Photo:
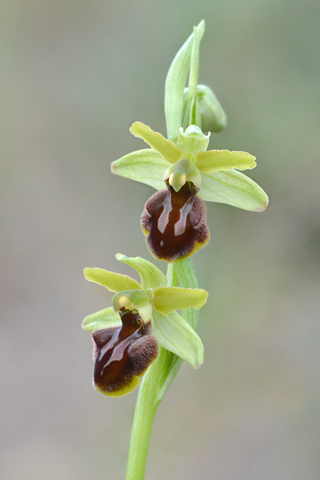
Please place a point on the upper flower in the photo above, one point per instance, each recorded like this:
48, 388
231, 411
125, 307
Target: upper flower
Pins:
214, 172
126, 336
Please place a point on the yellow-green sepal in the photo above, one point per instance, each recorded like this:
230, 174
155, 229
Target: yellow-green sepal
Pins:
216, 160
233, 188
105, 318
173, 333
166, 300
167, 149
145, 166
114, 282
150, 275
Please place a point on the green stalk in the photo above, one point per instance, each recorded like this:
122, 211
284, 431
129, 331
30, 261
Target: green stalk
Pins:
194, 114
194, 64
146, 408
157, 380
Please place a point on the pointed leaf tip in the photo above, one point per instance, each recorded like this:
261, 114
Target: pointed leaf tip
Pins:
175, 83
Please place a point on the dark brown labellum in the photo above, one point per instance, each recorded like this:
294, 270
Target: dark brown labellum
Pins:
175, 223
122, 354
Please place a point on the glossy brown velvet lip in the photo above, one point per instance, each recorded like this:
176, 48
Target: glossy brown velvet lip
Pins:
175, 223
122, 354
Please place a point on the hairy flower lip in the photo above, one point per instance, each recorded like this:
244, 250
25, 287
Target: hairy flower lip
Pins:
122, 354
175, 223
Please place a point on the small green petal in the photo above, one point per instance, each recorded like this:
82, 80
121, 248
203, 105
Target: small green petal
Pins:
114, 282
167, 149
103, 319
175, 83
145, 166
174, 334
151, 277
233, 188
217, 160
166, 300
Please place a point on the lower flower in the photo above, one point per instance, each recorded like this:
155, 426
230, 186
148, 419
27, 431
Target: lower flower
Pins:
175, 223
123, 354
143, 318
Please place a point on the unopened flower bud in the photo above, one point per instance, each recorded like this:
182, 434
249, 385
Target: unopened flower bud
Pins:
213, 117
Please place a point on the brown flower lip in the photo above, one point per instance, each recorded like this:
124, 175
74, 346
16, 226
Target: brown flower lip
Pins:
175, 223
122, 354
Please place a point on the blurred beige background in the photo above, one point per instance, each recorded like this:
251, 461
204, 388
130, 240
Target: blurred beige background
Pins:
74, 76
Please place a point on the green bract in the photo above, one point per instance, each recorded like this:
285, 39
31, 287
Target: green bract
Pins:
215, 172
187, 59
154, 301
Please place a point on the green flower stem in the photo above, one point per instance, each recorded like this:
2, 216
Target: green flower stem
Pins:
194, 64
146, 408
194, 113
158, 379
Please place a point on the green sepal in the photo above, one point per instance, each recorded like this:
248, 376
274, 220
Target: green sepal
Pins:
166, 300
103, 319
114, 282
145, 166
217, 160
175, 83
174, 334
150, 275
233, 188
167, 149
